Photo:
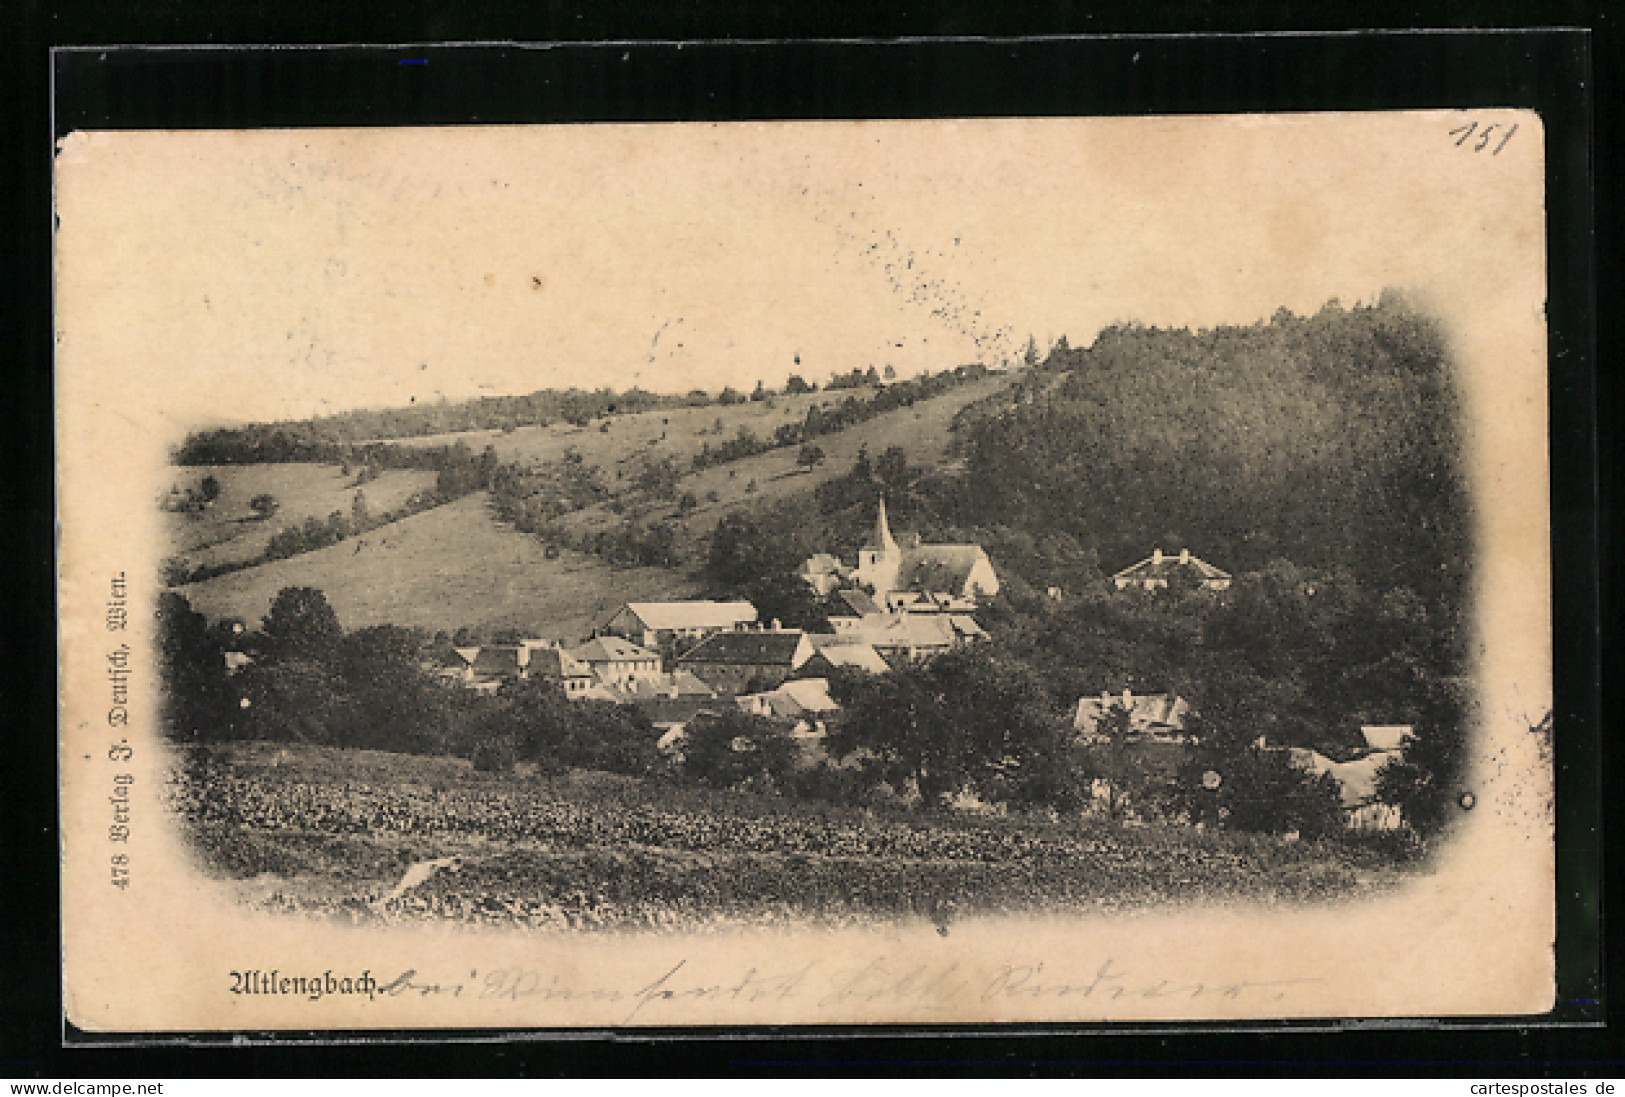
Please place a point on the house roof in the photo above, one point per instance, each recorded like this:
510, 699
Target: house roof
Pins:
612, 649
938, 567
859, 602
822, 563
838, 651
906, 630
1160, 565
1145, 710
683, 682
1385, 736
966, 626
1356, 780
498, 661
756, 647
809, 694
695, 614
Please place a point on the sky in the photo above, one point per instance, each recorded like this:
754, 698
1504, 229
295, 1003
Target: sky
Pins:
284, 273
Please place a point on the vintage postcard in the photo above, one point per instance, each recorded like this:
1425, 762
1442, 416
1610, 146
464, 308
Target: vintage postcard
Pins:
1012, 570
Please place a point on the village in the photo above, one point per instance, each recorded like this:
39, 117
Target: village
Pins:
675, 661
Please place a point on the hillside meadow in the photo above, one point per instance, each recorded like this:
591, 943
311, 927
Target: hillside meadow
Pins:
448, 567
230, 531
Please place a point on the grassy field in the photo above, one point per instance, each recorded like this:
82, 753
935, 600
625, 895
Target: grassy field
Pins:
450, 566
336, 834
230, 531
922, 431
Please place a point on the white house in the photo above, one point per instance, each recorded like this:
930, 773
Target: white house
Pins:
1154, 572
617, 662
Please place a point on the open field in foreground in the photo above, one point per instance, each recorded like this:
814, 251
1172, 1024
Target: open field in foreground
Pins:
350, 835
451, 566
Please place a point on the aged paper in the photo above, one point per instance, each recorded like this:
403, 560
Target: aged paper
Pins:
215, 279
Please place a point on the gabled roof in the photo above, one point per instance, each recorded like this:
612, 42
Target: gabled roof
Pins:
838, 651
1160, 565
938, 567
1385, 737
859, 602
695, 614
756, 647
966, 626
612, 649
498, 661
810, 694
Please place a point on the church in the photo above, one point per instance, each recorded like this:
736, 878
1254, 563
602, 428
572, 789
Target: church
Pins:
921, 577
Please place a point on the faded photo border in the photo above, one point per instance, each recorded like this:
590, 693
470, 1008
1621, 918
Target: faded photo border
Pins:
250, 89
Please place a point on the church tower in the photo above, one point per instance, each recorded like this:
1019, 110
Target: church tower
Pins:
880, 559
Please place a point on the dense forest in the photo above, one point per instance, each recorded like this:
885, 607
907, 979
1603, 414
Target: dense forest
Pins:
1331, 441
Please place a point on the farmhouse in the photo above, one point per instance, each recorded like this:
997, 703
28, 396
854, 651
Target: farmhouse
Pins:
930, 576
615, 662
1155, 571
659, 625
732, 662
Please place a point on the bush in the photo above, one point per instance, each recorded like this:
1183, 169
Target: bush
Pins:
494, 756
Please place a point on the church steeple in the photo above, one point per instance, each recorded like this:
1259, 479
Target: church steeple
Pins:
880, 560
882, 539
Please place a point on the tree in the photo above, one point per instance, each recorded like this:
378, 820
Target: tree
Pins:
734, 748
197, 699
209, 489
796, 385
892, 467
759, 393
264, 505
810, 456
301, 623
360, 515
1424, 782
963, 720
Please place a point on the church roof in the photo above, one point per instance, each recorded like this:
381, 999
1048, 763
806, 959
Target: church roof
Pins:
938, 567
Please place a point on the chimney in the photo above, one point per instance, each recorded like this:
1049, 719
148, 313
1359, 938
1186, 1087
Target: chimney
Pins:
776, 626
1128, 697
1156, 556
1184, 556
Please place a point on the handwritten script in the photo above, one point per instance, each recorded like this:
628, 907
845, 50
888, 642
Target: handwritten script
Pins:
954, 986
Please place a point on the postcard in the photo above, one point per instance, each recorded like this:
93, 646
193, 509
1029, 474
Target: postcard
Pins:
805, 573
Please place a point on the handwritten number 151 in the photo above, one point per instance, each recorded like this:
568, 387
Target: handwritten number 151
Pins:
1484, 136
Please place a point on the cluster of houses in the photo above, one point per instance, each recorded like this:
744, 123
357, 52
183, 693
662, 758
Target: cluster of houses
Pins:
674, 660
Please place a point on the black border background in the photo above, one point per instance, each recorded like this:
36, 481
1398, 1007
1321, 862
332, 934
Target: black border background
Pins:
1549, 71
